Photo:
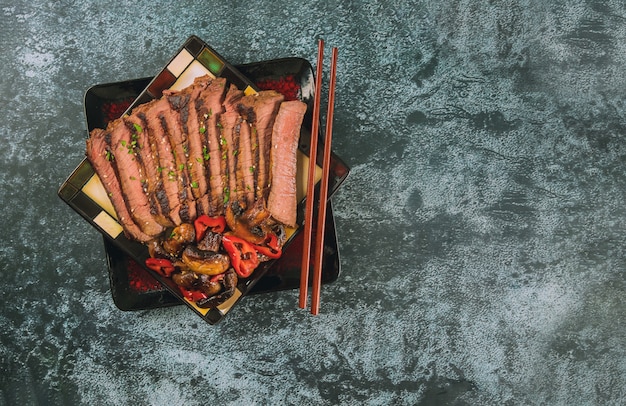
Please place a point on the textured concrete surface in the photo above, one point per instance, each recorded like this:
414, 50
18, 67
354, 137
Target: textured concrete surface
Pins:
482, 229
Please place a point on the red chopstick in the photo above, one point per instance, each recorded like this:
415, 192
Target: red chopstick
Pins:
321, 215
310, 193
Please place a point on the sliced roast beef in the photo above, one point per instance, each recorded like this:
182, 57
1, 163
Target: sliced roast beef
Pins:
192, 151
245, 171
221, 161
232, 99
209, 107
172, 124
159, 135
100, 156
260, 111
229, 144
122, 143
146, 155
184, 103
282, 200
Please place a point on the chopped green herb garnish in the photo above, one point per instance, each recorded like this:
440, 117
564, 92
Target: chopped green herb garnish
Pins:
129, 145
137, 127
194, 184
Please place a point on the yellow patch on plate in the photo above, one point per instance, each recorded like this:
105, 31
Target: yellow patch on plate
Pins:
108, 224
193, 71
96, 192
302, 175
180, 62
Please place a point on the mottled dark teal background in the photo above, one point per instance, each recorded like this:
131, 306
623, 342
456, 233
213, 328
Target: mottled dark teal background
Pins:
482, 229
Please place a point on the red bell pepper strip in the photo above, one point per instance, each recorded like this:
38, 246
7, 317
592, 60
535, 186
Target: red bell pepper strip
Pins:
243, 256
217, 224
161, 265
217, 278
192, 295
270, 247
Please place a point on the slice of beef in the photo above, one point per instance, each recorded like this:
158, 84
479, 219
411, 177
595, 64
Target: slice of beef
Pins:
220, 160
245, 171
184, 103
100, 156
159, 131
260, 111
172, 123
232, 98
235, 152
229, 144
147, 157
209, 106
122, 143
282, 201
213, 162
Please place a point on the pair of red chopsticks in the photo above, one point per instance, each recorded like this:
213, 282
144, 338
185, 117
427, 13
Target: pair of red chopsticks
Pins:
318, 249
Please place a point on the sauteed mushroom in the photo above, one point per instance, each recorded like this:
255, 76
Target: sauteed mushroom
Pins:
179, 238
205, 262
249, 224
229, 281
201, 282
